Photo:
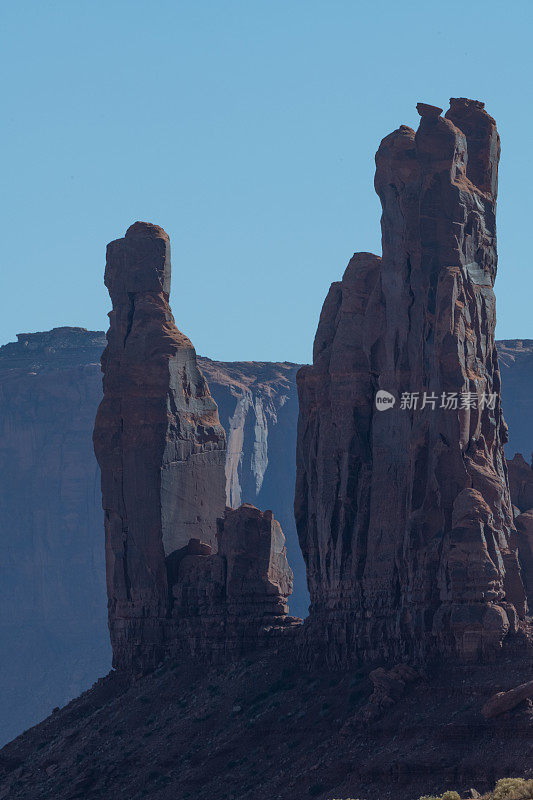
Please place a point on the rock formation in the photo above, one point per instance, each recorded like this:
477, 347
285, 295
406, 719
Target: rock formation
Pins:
50, 389
521, 486
52, 580
51, 386
524, 539
516, 365
502, 702
158, 442
258, 407
403, 514
229, 602
520, 482
161, 450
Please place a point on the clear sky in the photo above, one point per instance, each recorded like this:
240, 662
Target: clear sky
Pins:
247, 129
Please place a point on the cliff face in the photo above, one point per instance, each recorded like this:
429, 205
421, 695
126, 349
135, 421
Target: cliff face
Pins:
521, 486
258, 407
52, 586
520, 482
516, 365
403, 514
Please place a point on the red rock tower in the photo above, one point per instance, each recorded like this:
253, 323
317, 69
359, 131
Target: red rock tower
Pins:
403, 512
186, 577
158, 441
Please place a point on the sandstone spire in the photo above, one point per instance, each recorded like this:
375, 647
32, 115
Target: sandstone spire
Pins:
185, 576
404, 515
157, 439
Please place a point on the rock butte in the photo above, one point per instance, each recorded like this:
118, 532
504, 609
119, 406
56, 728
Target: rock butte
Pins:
404, 516
161, 450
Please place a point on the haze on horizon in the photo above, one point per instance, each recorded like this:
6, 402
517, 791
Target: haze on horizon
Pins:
248, 131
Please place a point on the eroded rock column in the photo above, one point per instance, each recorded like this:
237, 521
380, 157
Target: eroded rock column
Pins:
186, 577
158, 441
404, 515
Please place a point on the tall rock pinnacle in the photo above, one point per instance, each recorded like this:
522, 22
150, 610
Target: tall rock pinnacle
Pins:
403, 514
186, 577
157, 439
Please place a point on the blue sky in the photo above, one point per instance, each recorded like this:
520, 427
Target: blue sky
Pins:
247, 129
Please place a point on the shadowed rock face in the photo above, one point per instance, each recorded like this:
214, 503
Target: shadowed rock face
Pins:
516, 365
521, 486
524, 528
53, 634
158, 441
229, 602
520, 482
404, 515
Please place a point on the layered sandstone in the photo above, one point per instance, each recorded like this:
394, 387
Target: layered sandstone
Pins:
50, 389
520, 482
404, 515
521, 486
158, 442
161, 450
516, 364
258, 407
230, 602
52, 579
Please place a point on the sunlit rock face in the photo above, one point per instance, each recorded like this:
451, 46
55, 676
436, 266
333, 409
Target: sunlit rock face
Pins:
158, 441
162, 454
403, 513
